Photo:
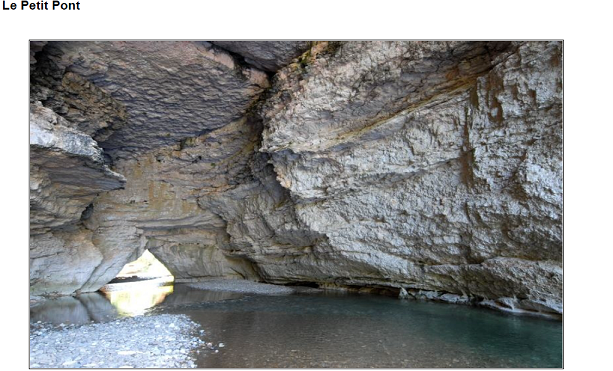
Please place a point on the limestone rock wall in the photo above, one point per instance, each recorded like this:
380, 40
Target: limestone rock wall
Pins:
266, 55
435, 167
167, 91
67, 172
135, 103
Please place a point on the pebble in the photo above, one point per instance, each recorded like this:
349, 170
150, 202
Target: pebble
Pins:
126, 352
158, 341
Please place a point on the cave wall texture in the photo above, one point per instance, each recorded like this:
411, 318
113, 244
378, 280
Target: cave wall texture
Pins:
430, 166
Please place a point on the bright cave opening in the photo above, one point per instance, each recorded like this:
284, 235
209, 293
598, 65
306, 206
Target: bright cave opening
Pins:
145, 267
140, 285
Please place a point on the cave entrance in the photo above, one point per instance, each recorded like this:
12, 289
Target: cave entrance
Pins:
144, 268
139, 286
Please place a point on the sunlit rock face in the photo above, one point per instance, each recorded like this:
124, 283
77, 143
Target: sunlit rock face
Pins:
67, 172
433, 166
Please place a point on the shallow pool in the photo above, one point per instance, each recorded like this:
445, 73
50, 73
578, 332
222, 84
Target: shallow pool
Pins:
339, 330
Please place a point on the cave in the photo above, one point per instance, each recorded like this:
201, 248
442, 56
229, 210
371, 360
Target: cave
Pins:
157, 285
147, 266
441, 172
421, 170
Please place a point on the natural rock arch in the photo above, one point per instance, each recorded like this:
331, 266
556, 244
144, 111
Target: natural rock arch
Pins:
433, 166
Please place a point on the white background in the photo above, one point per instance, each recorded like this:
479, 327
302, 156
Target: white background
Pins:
587, 135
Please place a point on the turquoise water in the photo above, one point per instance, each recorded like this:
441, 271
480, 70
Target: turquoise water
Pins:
342, 330
370, 331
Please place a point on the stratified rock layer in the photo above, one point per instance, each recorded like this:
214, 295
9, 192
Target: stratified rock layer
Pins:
435, 167
67, 172
169, 90
134, 98
266, 55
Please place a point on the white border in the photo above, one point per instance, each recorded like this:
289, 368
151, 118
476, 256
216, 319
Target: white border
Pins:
588, 127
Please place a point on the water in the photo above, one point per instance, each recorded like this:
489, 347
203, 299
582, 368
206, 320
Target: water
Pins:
338, 330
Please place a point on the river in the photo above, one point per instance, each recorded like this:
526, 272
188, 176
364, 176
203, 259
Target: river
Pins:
327, 329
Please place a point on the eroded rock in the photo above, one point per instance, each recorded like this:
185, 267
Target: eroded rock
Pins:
432, 166
114, 92
266, 55
170, 90
67, 172
427, 165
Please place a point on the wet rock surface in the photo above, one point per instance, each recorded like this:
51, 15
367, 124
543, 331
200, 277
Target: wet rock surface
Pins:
160, 341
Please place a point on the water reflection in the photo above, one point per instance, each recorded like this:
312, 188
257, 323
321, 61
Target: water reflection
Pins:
135, 298
121, 300
185, 295
78, 310
365, 331
327, 330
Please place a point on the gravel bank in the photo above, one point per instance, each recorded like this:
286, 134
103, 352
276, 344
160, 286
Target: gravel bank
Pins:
161, 341
243, 286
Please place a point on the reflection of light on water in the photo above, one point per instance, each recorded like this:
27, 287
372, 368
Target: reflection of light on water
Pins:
135, 298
